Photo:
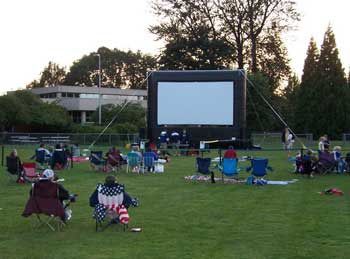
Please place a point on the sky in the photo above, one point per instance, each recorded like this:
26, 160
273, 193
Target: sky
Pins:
38, 31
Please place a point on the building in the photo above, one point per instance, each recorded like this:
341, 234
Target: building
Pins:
81, 102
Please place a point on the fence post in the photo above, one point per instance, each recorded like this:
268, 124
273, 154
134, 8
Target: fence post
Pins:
71, 157
2, 155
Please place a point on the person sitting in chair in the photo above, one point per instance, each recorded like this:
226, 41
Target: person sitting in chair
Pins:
114, 159
14, 165
47, 196
59, 158
42, 155
109, 199
230, 153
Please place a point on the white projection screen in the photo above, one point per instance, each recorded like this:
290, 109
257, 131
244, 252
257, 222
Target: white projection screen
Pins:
195, 103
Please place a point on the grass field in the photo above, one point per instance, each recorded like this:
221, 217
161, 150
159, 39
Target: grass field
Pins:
181, 219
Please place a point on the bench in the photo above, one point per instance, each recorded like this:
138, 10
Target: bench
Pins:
55, 140
24, 140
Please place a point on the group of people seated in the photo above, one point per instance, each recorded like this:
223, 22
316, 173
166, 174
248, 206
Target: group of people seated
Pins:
57, 158
325, 161
113, 160
47, 196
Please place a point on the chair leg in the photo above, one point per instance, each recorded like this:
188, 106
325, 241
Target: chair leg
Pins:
126, 226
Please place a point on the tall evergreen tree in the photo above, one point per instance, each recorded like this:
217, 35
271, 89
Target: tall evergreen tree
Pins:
332, 90
288, 100
306, 104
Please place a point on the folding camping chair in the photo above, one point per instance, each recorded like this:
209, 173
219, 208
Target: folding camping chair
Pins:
148, 162
40, 157
113, 162
29, 172
133, 162
110, 205
326, 163
59, 159
203, 167
96, 160
259, 167
229, 167
45, 203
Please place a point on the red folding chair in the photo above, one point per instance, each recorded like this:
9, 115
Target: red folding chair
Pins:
29, 172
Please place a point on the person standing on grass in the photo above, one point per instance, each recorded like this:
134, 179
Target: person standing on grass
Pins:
287, 137
175, 141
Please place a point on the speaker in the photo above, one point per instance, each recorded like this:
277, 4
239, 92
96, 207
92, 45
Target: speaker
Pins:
142, 133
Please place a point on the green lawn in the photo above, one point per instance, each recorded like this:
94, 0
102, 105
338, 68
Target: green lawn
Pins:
181, 219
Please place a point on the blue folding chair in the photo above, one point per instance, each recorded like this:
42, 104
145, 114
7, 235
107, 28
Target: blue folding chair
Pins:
148, 162
203, 167
40, 156
134, 162
259, 167
229, 167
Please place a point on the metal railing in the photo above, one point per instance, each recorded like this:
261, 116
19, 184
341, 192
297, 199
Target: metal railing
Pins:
65, 138
272, 140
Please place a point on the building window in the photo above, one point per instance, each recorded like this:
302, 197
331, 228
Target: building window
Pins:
89, 116
89, 96
48, 96
76, 116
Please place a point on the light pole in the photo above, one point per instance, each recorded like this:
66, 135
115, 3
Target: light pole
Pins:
99, 88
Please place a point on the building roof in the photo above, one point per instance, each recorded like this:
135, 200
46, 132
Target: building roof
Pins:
88, 90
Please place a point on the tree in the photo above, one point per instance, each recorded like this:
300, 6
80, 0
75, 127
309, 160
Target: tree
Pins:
306, 105
250, 29
266, 14
272, 59
119, 69
52, 75
289, 99
14, 112
128, 119
22, 109
191, 42
332, 91
260, 117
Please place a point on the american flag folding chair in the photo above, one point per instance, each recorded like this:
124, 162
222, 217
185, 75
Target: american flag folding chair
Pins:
110, 205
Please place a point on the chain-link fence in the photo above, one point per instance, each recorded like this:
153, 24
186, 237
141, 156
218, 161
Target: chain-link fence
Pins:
272, 140
67, 138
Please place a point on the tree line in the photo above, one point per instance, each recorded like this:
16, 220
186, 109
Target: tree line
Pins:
227, 34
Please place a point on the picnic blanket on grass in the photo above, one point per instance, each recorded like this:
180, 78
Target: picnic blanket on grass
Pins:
206, 178
79, 159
